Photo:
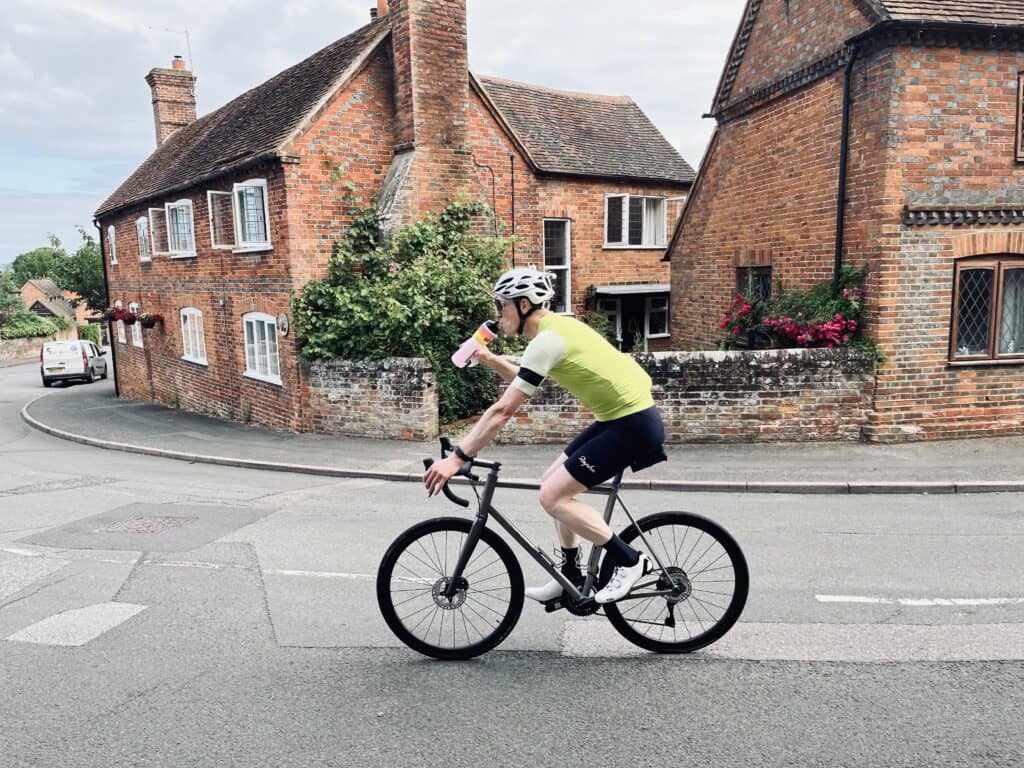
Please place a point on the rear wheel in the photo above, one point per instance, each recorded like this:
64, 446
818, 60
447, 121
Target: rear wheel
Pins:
91, 377
416, 572
699, 595
47, 382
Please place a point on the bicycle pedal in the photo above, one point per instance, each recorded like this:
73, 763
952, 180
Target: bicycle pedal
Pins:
553, 605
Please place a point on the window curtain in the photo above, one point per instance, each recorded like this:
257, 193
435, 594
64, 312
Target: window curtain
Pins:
1011, 335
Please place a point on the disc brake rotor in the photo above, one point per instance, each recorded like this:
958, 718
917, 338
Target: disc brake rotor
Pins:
461, 587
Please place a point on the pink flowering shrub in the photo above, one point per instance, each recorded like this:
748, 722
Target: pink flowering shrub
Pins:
810, 318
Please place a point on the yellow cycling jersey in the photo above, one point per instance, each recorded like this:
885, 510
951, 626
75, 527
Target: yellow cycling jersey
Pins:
608, 382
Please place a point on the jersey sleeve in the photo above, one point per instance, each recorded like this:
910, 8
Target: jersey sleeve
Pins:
542, 354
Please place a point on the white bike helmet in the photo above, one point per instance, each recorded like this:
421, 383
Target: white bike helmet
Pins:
525, 282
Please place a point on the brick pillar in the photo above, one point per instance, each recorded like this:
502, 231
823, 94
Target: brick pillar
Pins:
433, 165
174, 98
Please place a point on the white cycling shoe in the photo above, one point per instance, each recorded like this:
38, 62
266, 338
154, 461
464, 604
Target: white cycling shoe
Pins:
546, 593
623, 579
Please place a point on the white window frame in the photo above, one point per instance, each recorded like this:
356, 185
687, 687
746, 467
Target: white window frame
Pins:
142, 233
567, 267
193, 336
213, 230
241, 245
648, 310
252, 350
661, 237
112, 243
136, 326
120, 332
180, 253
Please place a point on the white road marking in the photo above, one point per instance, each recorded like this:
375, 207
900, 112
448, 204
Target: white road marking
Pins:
77, 626
921, 602
266, 571
319, 574
866, 643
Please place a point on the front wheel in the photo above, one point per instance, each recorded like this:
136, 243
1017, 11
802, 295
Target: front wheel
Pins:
699, 595
415, 574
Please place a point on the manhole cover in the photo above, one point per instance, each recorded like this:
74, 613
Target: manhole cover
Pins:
146, 525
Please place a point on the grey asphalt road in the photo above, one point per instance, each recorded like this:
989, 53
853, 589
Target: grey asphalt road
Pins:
159, 613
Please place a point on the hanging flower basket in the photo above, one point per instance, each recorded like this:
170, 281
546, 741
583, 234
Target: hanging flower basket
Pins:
110, 314
150, 319
129, 318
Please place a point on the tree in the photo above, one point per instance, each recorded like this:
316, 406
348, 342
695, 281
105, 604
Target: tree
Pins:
40, 262
10, 300
82, 272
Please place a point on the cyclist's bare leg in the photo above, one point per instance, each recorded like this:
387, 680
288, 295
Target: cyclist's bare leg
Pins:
558, 493
566, 537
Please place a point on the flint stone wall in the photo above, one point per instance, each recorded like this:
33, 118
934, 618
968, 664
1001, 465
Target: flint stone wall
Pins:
393, 399
786, 395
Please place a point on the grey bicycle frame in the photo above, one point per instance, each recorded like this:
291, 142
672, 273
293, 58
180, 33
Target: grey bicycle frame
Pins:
486, 509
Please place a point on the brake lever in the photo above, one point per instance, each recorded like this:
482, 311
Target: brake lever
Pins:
445, 489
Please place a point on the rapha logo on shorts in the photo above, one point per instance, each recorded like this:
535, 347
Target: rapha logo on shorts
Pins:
588, 465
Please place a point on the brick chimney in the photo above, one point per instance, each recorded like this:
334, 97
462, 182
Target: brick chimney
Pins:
430, 60
174, 98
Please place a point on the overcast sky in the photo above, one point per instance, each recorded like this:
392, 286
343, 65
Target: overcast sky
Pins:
76, 117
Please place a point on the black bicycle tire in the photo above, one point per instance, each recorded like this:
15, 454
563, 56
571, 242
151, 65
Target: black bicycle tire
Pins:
461, 525
736, 604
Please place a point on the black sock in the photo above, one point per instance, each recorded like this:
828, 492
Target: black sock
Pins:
619, 552
571, 566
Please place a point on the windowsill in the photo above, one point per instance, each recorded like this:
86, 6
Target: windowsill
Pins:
267, 379
968, 363
223, 247
196, 361
613, 247
659, 336
183, 255
145, 261
253, 249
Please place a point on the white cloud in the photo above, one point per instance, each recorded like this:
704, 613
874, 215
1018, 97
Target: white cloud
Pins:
82, 95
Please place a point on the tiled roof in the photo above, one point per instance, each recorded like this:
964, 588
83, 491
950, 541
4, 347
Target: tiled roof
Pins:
584, 134
251, 126
999, 12
47, 286
53, 307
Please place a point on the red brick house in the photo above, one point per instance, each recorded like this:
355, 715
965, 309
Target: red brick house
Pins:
237, 210
909, 111
45, 299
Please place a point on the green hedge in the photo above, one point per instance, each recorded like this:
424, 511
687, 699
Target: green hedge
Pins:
421, 293
90, 333
26, 325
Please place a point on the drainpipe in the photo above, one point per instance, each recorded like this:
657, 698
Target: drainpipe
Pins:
106, 287
844, 153
512, 161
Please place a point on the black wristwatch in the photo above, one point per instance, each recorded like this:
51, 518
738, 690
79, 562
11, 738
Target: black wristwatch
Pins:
462, 454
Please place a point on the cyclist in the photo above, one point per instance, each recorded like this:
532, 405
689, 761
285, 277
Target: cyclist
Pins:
628, 430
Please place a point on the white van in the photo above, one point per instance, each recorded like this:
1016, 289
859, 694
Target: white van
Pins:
66, 360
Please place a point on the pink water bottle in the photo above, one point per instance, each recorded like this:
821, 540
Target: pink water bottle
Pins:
483, 336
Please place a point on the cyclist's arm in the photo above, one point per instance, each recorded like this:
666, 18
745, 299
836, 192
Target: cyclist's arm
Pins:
492, 421
500, 365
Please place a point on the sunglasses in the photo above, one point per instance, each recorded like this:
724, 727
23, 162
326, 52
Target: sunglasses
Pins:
500, 305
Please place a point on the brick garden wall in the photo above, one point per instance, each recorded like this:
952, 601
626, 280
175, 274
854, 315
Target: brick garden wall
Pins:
393, 399
772, 395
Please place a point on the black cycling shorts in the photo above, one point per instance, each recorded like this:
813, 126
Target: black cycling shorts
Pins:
605, 448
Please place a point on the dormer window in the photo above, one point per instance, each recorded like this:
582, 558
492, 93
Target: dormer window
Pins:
181, 239
142, 233
112, 243
240, 219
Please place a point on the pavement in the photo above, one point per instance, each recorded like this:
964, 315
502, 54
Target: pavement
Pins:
92, 415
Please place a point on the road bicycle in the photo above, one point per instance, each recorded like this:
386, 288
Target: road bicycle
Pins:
452, 588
